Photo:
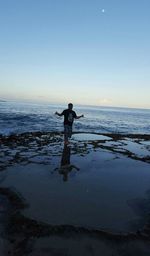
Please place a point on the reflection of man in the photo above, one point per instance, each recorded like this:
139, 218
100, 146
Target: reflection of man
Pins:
66, 167
65, 160
69, 116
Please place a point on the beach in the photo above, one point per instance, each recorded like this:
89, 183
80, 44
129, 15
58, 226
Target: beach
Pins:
91, 197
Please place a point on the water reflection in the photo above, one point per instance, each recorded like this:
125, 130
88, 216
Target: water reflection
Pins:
66, 167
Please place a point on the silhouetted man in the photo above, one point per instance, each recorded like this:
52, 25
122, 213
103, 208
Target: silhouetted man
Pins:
69, 116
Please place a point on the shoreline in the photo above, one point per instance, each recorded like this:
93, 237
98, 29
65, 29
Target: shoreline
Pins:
106, 141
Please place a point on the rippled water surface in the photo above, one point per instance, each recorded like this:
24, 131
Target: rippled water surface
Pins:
23, 117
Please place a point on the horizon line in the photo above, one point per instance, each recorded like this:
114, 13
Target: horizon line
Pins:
77, 104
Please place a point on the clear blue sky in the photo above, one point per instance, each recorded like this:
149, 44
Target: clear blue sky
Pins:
86, 51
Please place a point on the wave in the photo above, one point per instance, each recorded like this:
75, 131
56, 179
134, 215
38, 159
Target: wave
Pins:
24, 119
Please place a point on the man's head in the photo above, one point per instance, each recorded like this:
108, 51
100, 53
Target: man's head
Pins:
70, 106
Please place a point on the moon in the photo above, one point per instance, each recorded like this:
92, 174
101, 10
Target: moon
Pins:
103, 10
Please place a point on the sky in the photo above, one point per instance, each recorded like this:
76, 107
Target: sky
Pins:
92, 52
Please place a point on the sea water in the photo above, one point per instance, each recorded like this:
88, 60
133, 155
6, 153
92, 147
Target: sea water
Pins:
19, 117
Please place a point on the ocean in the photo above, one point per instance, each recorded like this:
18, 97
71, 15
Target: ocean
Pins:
16, 118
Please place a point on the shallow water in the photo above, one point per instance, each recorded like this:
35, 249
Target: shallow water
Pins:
89, 136
94, 191
136, 148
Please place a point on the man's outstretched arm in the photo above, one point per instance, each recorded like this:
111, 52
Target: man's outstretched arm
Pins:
77, 117
58, 114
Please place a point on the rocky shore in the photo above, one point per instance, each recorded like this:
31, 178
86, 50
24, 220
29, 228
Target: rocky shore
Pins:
26, 158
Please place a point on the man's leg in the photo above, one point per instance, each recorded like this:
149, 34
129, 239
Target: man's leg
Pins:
66, 134
69, 131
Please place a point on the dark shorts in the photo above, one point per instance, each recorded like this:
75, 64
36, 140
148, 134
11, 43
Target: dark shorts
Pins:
67, 131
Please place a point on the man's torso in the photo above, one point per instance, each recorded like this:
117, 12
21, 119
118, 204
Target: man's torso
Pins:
69, 116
